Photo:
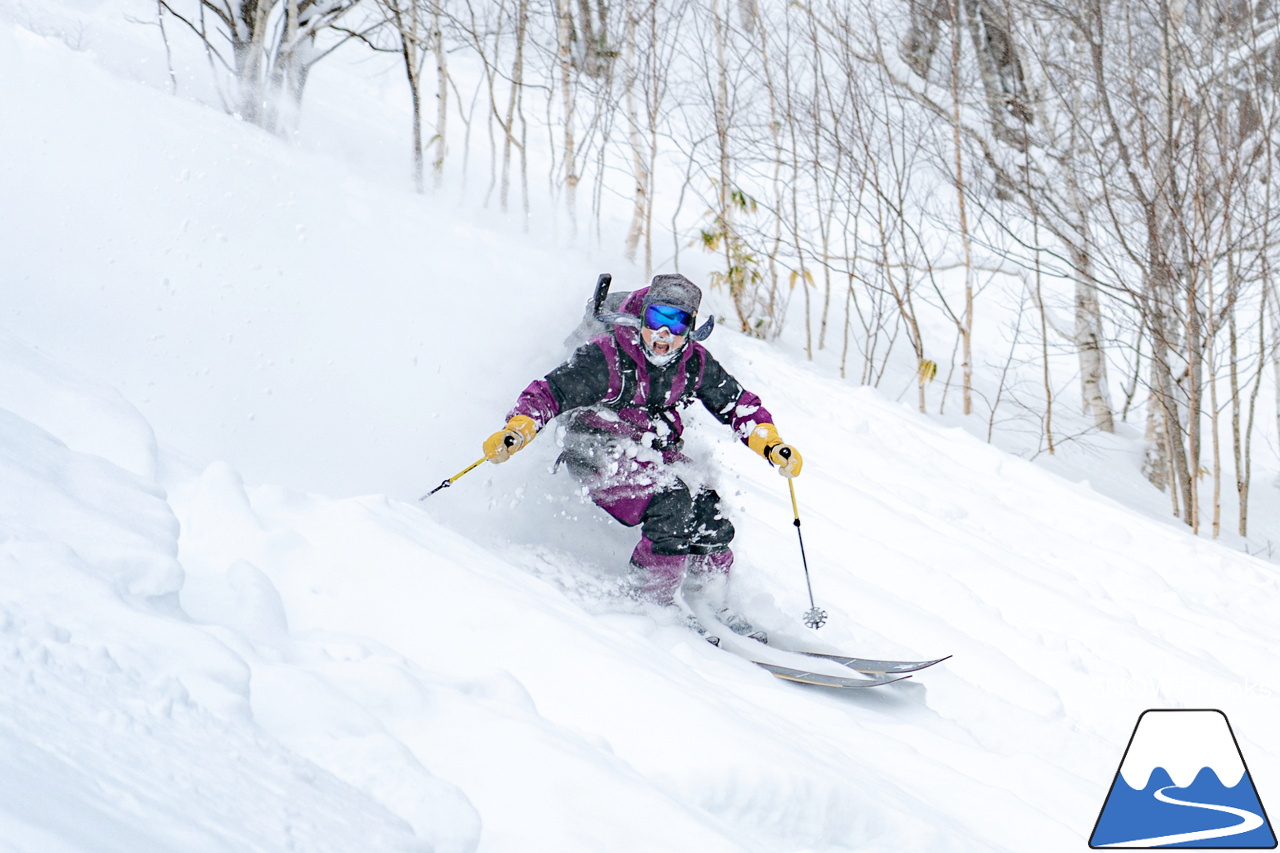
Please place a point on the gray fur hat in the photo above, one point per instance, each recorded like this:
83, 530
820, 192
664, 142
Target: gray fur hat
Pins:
674, 290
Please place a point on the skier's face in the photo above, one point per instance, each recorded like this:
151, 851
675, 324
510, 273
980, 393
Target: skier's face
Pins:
661, 341
664, 328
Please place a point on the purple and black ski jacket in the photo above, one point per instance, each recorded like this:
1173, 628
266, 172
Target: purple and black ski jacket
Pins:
625, 395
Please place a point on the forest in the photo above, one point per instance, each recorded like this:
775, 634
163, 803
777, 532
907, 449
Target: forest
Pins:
861, 171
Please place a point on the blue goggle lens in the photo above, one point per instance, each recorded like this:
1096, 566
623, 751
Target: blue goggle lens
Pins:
676, 319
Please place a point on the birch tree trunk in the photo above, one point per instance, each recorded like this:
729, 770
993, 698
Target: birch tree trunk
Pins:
564, 34
966, 327
513, 102
248, 26
639, 160
1088, 342
441, 138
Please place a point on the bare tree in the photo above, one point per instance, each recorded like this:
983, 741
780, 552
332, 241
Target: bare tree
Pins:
273, 44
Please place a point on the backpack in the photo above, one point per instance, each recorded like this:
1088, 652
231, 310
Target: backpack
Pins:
601, 302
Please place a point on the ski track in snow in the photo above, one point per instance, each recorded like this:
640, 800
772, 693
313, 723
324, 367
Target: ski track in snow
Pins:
190, 661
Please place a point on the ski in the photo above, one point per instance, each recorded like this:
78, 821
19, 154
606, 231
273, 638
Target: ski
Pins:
801, 676
877, 667
879, 672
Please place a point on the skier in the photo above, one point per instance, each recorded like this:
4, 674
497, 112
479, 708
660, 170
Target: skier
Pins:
620, 395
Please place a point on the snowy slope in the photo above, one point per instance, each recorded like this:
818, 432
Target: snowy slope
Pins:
207, 643
123, 726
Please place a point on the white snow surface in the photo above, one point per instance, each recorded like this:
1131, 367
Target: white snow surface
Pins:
229, 365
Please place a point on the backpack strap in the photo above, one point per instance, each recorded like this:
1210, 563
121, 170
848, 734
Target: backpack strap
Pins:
624, 384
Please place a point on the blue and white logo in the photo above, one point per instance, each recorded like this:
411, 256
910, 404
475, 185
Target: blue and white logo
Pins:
1183, 783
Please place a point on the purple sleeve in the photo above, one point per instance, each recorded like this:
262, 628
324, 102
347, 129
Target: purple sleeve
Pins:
536, 402
748, 413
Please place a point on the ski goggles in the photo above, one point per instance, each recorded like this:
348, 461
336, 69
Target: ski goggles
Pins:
676, 319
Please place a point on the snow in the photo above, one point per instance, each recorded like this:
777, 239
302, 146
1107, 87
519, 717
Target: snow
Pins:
230, 365
122, 726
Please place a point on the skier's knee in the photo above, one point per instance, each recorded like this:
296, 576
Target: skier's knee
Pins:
713, 563
712, 531
668, 522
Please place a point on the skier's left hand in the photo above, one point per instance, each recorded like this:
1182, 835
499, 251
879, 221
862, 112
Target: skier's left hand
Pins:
764, 440
787, 458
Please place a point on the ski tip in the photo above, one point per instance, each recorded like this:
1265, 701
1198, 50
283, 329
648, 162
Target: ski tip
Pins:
869, 666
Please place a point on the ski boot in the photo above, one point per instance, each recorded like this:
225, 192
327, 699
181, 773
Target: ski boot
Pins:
708, 582
681, 615
738, 624
693, 623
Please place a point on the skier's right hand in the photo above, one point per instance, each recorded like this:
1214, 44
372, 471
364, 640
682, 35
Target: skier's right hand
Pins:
518, 432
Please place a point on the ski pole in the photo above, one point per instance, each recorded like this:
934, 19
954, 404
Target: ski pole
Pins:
814, 617
449, 482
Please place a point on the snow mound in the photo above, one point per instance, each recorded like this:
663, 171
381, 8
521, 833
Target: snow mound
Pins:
124, 724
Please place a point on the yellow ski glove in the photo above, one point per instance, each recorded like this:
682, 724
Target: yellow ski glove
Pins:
518, 432
765, 441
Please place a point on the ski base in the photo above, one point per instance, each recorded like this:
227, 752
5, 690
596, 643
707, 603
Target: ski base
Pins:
800, 676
